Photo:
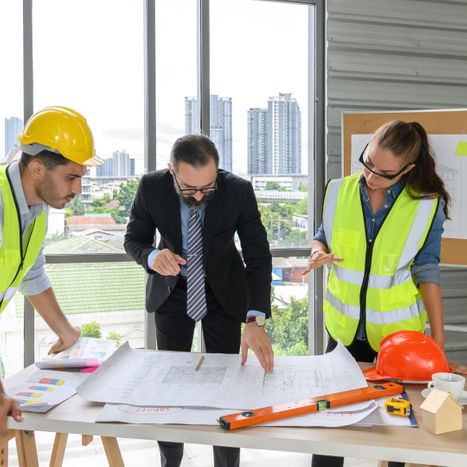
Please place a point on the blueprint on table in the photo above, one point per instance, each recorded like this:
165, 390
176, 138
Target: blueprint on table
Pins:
150, 378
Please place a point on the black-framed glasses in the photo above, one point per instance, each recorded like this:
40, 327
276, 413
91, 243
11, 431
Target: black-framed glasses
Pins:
387, 176
193, 191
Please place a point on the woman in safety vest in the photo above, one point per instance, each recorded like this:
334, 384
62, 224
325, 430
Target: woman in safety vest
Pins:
56, 145
381, 236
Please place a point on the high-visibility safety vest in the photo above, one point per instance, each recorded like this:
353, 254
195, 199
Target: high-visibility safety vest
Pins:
373, 283
15, 258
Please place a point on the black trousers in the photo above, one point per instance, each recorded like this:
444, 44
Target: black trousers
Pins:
362, 352
174, 331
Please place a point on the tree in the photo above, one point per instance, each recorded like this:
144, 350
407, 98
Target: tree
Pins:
277, 219
75, 207
125, 197
288, 328
302, 207
113, 335
91, 329
271, 185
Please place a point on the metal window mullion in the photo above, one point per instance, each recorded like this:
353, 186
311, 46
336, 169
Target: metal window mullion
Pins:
203, 66
150, 163
28, 109
318, 162
28, 89
203, 75
149, 19
28, 333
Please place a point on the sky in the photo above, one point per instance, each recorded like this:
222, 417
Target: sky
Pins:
88, 55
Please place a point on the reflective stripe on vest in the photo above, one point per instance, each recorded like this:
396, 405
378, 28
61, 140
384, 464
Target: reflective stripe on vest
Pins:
374, 316
14, 264
391, 300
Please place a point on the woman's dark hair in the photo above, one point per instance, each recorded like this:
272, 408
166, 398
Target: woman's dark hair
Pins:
196, 150
410, 141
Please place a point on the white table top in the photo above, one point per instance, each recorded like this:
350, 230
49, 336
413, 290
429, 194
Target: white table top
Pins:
401, 444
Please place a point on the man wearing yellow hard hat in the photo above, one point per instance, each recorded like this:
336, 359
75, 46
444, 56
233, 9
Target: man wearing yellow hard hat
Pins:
57, 145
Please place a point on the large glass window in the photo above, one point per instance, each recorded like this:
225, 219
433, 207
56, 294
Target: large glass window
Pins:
259, 59
176, 73
88, 55
11, 119
259, 106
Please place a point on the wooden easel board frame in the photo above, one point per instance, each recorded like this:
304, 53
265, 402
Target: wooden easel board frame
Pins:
453, 250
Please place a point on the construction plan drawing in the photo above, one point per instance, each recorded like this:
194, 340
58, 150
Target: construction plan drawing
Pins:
173, 379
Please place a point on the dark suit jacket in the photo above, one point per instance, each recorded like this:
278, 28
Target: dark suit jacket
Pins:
232, 209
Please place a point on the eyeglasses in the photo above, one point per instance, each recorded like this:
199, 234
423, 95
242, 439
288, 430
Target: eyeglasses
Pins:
193, 191
387, 176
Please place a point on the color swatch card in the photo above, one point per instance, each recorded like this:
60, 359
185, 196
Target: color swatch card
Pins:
44, 390
85, 352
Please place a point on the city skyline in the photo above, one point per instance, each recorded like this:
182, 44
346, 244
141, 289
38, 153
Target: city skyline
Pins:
271, 56
273, 139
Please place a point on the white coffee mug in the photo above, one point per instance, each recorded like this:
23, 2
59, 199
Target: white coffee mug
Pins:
449, 382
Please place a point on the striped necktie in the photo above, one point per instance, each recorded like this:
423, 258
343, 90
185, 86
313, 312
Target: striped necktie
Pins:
196, 294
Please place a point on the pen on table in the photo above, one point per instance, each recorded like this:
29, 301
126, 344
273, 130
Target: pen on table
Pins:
199, 362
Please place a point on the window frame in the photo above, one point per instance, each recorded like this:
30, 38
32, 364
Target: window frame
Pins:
316, 138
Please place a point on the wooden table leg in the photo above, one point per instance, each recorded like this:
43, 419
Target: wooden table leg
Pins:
58, 450
4, 447
86, 439
26, 448
112, 451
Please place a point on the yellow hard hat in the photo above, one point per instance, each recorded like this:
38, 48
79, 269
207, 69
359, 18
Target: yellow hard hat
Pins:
61, 130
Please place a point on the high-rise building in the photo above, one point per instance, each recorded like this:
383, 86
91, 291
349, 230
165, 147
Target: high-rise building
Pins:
106, 169
284, 128
191, 116
119, 165
122, 164
220, 125
13, 126
274, 137
258, 153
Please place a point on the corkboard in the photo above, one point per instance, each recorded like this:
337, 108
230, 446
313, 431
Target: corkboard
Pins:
453, 251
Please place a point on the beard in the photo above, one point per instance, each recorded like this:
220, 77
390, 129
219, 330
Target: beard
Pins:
48, 193
191, 202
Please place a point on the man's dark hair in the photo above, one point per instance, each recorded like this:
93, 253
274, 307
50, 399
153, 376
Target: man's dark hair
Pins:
196, 150
48, 158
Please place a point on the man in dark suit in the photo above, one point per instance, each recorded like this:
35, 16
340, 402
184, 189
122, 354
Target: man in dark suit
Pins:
196, 272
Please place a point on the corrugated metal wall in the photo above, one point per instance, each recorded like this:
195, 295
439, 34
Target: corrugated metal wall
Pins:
399, 55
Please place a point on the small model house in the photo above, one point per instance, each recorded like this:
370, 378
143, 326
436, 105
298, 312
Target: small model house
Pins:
441, 413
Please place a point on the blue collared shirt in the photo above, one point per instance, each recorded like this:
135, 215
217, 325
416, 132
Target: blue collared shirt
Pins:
185, 212
425, 268
36, 279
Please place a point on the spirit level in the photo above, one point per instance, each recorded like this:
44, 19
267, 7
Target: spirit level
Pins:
311, 405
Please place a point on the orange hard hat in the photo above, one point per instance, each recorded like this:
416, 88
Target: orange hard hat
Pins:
408, 356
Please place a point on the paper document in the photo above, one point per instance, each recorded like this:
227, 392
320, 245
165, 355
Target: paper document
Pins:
185, 416
86, 351
43, 390
149, 378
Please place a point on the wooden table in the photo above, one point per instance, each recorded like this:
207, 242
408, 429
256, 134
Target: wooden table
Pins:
403, 444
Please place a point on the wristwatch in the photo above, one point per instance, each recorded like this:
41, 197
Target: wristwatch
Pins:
259, 320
